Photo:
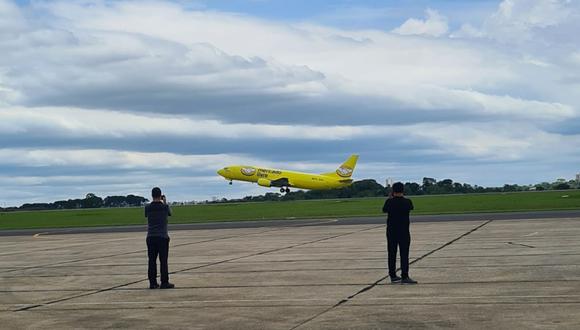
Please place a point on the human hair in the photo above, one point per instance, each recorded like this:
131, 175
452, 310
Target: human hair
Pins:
398, 187
156, 192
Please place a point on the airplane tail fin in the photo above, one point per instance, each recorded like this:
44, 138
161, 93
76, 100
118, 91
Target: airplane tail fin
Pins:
346, 169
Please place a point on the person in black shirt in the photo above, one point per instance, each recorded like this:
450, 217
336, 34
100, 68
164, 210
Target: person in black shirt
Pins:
158, 239
398, 208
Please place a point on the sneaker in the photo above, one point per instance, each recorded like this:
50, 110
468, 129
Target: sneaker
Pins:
167, 286
153, 286
408, 280
395, 279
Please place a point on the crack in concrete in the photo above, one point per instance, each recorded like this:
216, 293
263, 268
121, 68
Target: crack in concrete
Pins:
520, 244
369, 287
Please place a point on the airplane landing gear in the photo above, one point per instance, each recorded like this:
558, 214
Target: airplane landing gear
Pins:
284, 190
231, 183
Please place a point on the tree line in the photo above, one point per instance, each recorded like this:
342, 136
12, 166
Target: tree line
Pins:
91, 201
359, 189
429, 186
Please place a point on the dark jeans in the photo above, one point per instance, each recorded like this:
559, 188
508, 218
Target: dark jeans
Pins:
402, 240
158, 246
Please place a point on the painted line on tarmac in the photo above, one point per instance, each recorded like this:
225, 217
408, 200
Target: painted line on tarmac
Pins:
56, 232
369, 287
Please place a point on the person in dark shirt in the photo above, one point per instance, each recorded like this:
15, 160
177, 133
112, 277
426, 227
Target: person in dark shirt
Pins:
398, 208
158, 239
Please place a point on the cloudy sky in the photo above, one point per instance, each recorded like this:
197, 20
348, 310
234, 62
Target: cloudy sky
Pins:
114, 97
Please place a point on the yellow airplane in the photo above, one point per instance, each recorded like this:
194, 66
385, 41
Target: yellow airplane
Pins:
268, 177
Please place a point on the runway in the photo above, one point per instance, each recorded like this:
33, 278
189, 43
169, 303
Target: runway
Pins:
301, 222
477, 271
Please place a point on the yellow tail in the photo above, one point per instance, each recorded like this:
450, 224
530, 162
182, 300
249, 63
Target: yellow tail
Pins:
346, 169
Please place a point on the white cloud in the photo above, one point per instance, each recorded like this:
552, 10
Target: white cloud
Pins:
434, 25
496, 141
201, 63
516, 107
516, 20
11, 19
115, 159
467, 31
525, 23
208, 50
76, 123
82, 82
575, 57
143, 161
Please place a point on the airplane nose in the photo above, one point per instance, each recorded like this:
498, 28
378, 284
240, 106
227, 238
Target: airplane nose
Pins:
221, 172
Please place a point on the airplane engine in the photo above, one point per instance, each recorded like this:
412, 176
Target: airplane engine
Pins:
264, 182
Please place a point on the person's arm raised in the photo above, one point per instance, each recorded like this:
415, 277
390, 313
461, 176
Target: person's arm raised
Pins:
386, 206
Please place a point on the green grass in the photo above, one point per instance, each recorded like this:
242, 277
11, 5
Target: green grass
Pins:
440, 204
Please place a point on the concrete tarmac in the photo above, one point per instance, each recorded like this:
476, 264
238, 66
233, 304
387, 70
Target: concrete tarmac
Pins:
482, 273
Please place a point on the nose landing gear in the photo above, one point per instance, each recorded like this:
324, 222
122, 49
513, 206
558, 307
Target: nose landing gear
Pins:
231, 183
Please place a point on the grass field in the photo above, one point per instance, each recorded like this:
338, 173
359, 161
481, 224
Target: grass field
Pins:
440, 204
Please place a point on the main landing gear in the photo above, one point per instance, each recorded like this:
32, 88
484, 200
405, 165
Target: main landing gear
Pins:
284, 190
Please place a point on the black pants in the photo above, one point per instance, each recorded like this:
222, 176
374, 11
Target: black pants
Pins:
402, 240
158, 246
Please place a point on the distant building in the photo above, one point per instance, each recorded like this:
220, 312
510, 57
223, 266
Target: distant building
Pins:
577, 177
389, 182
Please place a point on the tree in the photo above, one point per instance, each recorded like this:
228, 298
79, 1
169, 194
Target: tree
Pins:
124, 201
510, 187
36, 206
92, 201
133, 200
444, 187
562, 186
428, 182
413, 188
445, 182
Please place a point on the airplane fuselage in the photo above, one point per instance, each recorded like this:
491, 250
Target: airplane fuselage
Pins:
269, 177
